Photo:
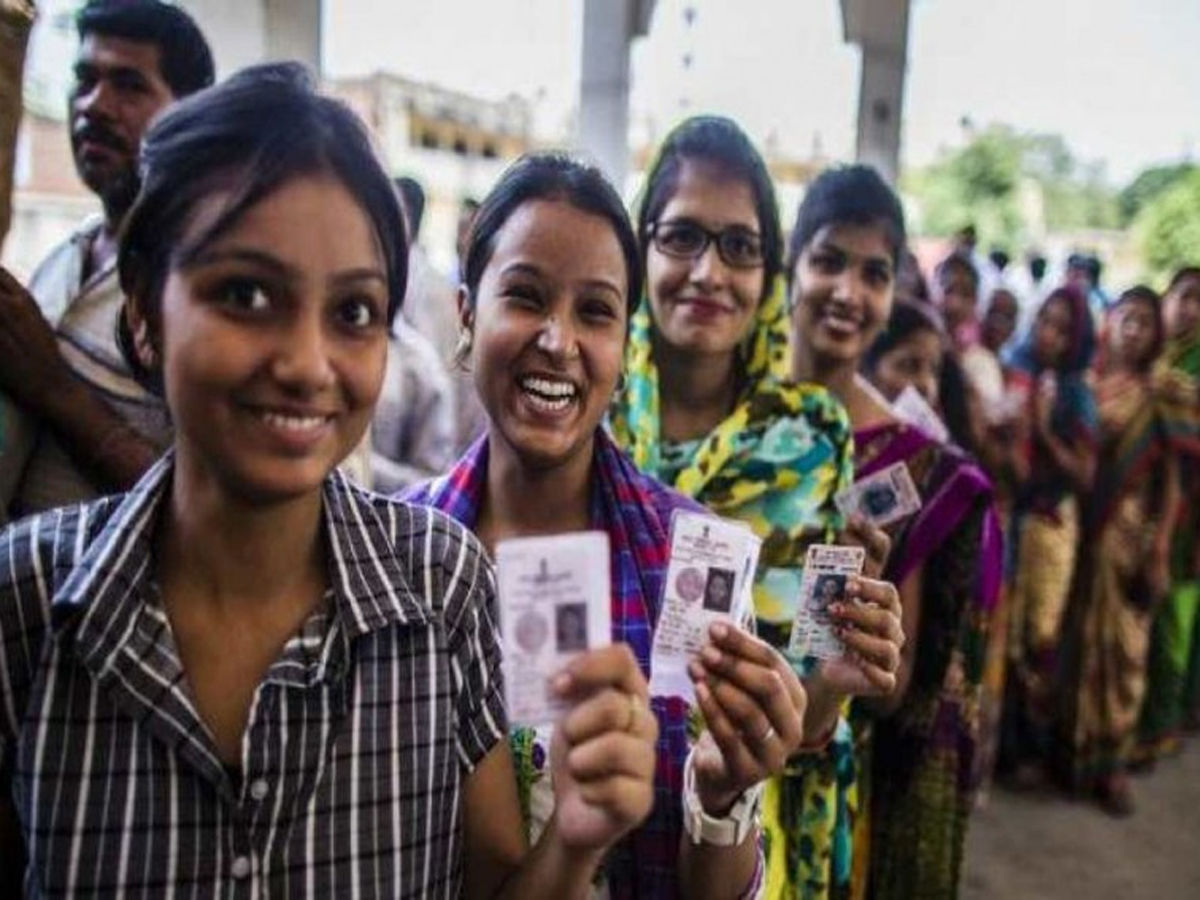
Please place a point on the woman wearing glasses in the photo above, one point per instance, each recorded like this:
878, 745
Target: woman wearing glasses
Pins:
706, 408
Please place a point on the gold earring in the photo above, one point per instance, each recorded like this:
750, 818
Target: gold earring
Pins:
462, 350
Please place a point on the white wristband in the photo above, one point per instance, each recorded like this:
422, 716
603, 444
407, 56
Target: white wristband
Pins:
728, 831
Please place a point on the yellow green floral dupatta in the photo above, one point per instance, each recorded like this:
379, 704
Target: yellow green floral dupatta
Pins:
775, 462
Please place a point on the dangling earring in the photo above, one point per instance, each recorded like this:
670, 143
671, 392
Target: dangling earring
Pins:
462, 350
143, 345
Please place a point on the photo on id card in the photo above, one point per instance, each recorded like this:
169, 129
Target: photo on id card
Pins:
882, 497
827, 569
553, 597
710, 575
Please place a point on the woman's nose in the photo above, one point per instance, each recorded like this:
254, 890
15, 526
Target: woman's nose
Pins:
302, 362
557, 337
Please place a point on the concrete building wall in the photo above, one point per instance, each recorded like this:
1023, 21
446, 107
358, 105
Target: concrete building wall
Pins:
880, 28
243, 32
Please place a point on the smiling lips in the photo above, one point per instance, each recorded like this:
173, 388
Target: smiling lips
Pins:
704, 307
549, 395
296, 430
840, 321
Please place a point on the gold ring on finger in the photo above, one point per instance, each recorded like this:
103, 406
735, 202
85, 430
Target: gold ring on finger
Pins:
767, 735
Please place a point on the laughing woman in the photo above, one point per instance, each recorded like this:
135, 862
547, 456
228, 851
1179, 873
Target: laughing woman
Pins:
707, 408
551, 266
247, 675
917, 745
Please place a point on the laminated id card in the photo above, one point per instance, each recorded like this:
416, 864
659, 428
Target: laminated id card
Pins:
826, 570
554, 599
709, 578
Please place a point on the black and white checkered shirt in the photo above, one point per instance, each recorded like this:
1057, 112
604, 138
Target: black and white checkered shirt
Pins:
358, 743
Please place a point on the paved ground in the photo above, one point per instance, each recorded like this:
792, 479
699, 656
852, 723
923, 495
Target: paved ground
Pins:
1045, 845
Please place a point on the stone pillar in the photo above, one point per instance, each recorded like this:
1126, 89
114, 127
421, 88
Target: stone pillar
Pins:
293, 31
609, 26
880, 28
244, 32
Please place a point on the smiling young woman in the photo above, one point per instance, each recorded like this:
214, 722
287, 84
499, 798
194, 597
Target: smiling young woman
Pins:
916, 746
246, 673
552, 264
707, 407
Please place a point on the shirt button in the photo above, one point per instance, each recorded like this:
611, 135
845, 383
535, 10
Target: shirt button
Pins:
241, 867
259, 788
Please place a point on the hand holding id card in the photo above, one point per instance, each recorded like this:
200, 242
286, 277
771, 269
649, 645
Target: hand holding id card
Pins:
826, 570
709, 578
554, 595
881, 498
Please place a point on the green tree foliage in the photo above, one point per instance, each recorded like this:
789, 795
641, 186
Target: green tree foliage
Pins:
1168, 227
983, 181
1148, 185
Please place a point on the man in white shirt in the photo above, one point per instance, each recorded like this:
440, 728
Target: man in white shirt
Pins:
98, 429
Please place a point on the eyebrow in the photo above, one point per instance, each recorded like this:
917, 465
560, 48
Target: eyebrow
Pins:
707, 224
602, 285
827, 244
280, 269
99, 70
525, 268
350, 276
259, 258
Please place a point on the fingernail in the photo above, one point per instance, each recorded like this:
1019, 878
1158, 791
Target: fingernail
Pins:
711, 655
695, 670
561, 683
836, 609
718, 630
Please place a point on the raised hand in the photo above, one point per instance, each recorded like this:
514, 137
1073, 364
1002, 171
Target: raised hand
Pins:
868, 622
30, 365
753, 704
861, 533
602, 754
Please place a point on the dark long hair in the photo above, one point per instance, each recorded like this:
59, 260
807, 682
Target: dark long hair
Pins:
1140, 293
847, 195
718, 142
907, 318
549, 176
245, 137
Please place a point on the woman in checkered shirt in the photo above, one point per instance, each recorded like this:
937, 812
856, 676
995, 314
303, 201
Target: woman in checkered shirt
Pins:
247, 676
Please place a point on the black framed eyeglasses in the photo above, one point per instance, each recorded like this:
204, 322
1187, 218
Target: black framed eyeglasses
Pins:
739, 247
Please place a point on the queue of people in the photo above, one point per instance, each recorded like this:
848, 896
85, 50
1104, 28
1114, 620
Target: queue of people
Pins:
227, 665
1087, 426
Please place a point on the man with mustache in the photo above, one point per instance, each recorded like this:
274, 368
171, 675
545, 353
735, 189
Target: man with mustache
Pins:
97, 428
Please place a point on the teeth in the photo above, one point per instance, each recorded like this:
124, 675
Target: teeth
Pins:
549, 405
547, 388
293, 423
843, 319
